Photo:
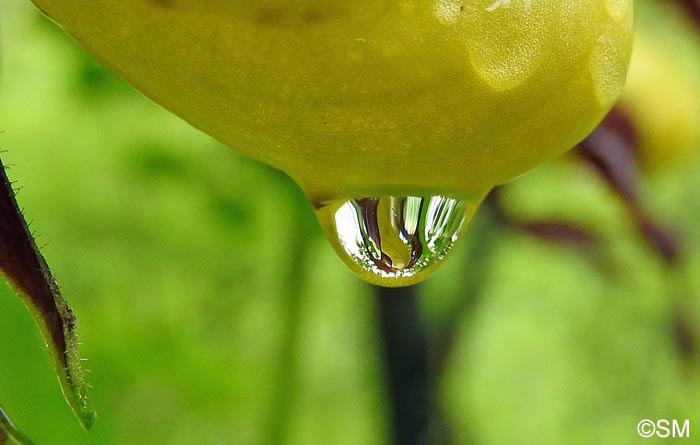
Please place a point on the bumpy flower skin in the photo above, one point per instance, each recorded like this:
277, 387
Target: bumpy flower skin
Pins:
365, 97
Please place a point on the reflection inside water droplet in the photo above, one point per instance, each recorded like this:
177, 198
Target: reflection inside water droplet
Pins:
395, 240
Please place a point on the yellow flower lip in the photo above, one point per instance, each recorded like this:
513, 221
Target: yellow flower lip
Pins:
369, 97
390, 103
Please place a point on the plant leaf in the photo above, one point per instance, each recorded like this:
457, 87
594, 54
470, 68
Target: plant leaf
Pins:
25, 269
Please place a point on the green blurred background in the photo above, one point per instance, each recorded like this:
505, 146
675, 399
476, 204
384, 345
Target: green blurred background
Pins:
213, 311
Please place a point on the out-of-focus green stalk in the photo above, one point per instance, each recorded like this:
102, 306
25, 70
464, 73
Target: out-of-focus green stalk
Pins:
299, 232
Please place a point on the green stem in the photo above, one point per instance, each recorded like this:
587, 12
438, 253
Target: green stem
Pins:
292, 305
9, 431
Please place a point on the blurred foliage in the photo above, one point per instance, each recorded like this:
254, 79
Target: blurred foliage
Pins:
182, 259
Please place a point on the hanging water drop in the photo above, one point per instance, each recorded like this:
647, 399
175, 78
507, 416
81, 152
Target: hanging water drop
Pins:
395, 240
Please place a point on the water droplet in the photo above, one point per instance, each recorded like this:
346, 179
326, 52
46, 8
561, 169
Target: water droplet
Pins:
395, 240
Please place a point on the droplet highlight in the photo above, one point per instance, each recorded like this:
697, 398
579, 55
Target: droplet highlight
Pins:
608, 69
502, 55
618, 9
395, 240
